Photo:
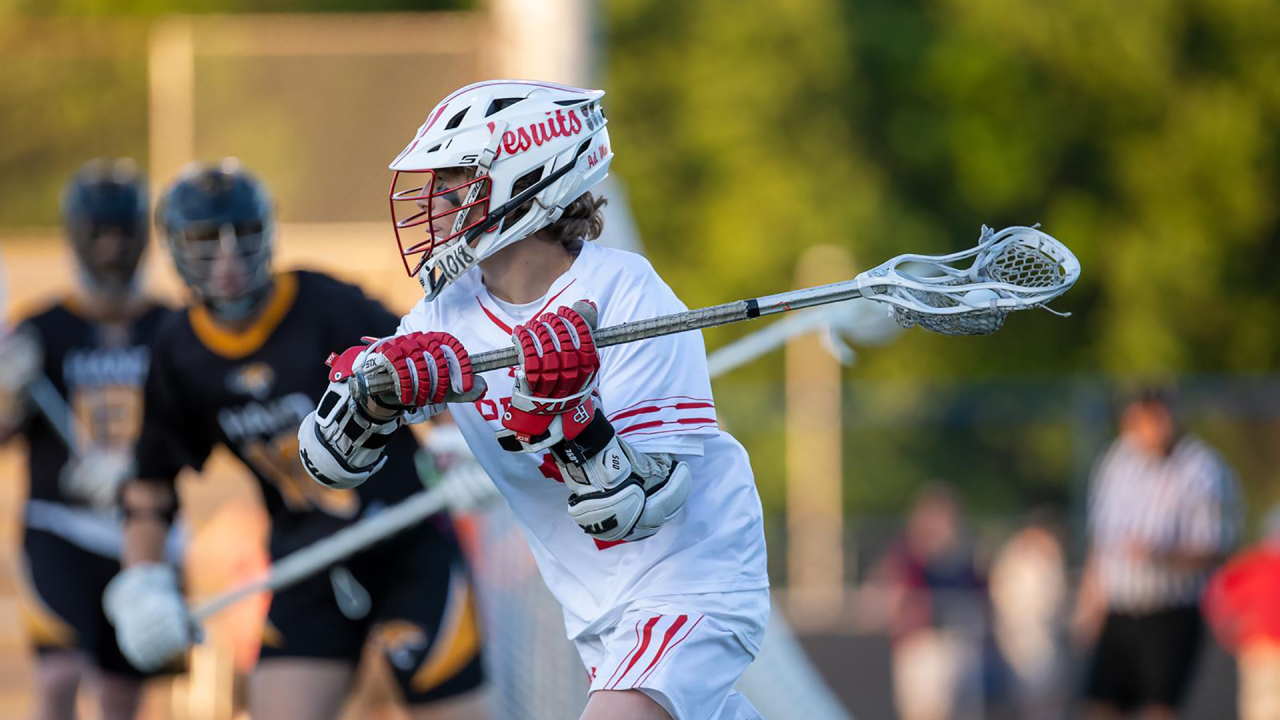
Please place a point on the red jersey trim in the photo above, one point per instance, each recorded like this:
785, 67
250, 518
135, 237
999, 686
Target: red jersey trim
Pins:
656, 408
688, 422
681, 398
507, 328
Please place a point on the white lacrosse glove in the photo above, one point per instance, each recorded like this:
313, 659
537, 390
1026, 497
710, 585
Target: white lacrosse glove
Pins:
152, 624
341, 443
95, 477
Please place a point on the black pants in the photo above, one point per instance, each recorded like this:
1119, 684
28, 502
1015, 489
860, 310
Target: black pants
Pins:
421, 613
1145, 660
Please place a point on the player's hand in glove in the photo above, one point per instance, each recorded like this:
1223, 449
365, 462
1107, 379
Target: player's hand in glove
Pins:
551, 400
341, 443
428, 368
152, 624
95, 476
616, 492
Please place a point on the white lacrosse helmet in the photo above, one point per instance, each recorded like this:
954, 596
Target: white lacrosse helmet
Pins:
498, 133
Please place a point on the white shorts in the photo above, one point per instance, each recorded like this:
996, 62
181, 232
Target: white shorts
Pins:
685, 652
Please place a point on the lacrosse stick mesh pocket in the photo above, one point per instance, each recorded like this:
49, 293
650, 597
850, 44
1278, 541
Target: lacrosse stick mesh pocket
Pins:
1025, 266
974, 322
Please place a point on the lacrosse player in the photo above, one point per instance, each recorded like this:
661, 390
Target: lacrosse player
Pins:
233, 369
89, 355
642, 514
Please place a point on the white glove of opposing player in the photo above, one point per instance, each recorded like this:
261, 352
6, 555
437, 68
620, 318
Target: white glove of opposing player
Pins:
95, 476
152, 624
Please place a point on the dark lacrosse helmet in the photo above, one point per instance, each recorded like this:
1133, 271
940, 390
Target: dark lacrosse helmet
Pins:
219, 224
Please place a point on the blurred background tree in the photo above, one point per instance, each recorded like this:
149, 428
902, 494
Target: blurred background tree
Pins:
1144, 136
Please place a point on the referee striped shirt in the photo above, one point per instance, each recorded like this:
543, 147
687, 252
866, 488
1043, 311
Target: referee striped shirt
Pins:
1185, 502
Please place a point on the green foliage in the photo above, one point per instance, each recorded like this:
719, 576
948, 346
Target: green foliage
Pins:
66, 97
151, 8
1143, 135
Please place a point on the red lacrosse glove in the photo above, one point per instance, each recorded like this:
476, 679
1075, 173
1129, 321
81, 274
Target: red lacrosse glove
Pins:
429, 368
557, 375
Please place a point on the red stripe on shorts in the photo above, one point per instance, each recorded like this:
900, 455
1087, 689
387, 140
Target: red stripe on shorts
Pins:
624, 658
666, 639
654, 664
644, 645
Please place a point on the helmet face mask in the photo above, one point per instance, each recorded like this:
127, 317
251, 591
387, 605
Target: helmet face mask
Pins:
218, 223
443, 200
104, 210
226, 263
477, 150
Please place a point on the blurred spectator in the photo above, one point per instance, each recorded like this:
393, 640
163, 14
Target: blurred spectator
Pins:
1028, 596
932, 600
1242, 604
1162, 514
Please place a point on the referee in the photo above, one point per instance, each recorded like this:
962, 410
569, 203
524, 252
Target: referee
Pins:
1162, 515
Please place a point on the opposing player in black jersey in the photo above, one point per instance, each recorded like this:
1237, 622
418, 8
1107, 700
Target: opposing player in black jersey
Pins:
87, 358
235, 369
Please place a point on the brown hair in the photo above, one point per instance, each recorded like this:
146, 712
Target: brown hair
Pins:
581, 221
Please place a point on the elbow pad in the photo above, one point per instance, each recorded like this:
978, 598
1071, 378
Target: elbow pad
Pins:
340, 443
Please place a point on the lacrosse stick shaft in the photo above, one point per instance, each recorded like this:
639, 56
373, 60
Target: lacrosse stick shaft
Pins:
699, 319
313, 559
767, 339
51, 404
300, 565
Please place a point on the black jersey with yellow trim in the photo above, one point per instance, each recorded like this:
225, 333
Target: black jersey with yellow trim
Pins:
99, 367
250, 389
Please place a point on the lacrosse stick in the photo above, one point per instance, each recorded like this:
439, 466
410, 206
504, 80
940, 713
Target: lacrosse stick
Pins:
373, 529
861, 321
1017, 268
54, 407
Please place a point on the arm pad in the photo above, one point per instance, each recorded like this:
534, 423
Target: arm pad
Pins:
340, 443
616, 491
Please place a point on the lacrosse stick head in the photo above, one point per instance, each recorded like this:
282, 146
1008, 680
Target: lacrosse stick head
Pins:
972, 292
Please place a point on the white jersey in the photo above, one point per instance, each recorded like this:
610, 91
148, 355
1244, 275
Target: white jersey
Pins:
657, 395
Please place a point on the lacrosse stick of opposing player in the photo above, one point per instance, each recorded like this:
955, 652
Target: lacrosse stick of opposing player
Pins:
1018, 268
